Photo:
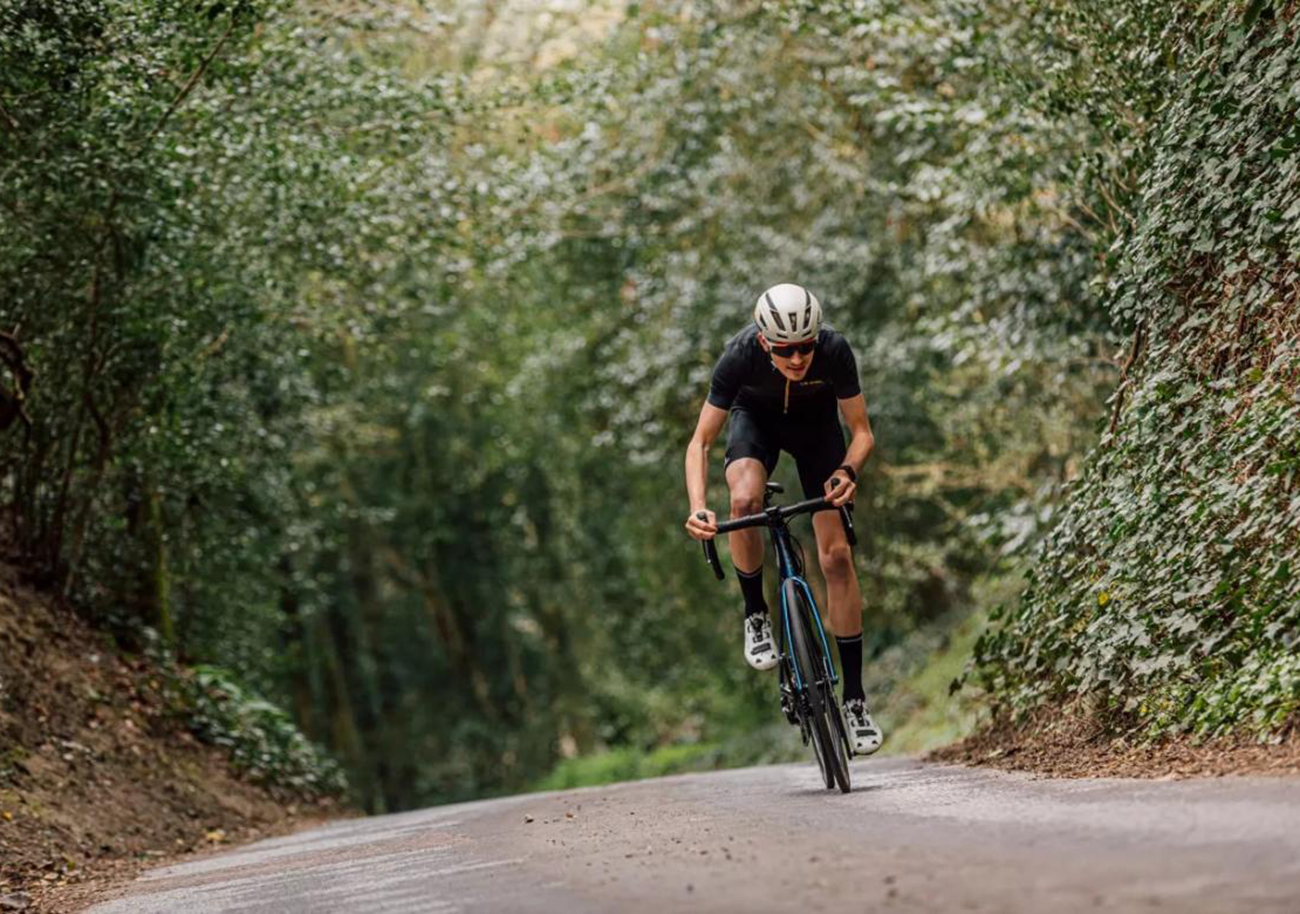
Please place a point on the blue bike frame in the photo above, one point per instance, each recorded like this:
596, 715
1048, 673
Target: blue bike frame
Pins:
787, 572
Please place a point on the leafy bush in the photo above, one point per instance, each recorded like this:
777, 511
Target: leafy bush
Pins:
264, 743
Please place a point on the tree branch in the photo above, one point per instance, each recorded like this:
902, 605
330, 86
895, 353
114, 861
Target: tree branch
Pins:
1138, 336
8, 119
14, 405
191, 82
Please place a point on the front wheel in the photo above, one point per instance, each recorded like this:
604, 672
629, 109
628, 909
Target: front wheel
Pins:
818, 696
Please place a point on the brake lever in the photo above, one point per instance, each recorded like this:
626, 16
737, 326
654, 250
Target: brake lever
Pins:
846, 517
711, 552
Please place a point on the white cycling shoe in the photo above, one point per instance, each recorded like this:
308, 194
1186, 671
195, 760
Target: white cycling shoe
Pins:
864, 733
760, 646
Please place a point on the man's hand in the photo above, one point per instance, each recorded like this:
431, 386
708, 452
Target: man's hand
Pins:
839, 488
702, 525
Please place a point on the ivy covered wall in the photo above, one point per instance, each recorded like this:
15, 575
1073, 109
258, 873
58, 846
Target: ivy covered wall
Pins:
1171, 586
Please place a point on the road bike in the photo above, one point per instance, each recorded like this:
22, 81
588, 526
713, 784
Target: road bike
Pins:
807, 673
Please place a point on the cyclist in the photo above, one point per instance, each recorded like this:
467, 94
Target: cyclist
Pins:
781, 380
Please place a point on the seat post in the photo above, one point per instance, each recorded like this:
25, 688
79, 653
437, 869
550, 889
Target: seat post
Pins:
770, 489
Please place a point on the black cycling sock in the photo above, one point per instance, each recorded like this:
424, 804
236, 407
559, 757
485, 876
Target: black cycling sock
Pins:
751, 588
851, 665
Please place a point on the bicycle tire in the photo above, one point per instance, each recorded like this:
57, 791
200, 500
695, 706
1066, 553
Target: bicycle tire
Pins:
839, 736
828, 749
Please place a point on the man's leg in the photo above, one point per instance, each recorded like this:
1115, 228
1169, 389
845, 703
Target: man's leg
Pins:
845, 599
746, 477
843, 596
818, 450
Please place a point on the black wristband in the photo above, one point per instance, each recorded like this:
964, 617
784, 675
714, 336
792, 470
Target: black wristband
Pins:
853, 477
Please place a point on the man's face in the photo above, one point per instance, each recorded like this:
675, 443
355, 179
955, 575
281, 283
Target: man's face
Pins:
794, 365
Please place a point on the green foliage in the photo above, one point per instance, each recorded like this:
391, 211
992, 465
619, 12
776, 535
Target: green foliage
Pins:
1168, 587
263, 742
364, 370
762, 746
368, 377
918, 710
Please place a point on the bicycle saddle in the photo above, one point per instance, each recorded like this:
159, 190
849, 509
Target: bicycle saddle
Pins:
774, 488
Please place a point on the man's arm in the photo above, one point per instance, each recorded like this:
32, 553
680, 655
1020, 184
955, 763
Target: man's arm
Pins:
861, 443
697, 470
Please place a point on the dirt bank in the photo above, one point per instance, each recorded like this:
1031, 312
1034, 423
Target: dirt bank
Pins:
99, 775
1078, 742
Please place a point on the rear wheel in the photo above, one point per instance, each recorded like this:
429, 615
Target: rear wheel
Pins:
818, 697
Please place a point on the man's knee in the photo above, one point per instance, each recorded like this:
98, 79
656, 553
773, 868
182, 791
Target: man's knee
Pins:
745, 500
836, 561
746, 479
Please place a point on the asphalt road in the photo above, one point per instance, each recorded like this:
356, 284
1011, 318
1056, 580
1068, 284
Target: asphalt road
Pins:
911, 837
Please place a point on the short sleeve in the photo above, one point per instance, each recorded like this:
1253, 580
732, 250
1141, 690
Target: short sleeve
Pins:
844, 371
726, 379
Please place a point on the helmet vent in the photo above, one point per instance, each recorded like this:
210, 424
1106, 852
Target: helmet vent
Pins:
776, 315
807, 310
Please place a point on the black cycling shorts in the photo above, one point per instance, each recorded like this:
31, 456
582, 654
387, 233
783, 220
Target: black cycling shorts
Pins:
817, 447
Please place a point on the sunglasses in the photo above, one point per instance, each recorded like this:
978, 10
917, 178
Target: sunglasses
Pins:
805, 348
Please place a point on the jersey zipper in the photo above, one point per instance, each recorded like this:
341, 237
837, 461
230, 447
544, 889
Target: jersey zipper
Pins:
787, 396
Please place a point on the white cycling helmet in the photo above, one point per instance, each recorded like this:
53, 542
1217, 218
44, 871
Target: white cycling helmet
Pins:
787, 313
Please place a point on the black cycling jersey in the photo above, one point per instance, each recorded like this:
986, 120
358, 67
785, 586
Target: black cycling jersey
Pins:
745, 378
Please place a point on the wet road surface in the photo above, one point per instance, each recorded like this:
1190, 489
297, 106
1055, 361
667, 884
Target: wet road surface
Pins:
912, 837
